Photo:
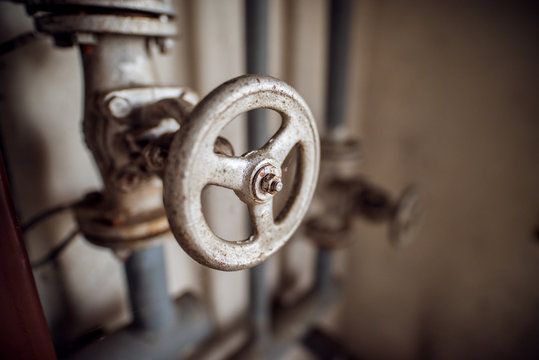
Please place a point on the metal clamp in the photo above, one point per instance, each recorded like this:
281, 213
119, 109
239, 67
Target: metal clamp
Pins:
255, 176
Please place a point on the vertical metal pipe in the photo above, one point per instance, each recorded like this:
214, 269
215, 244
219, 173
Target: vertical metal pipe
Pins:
115, 62
256, 13
337, 72
323, 270
151, 306
336, 105
256, 20
258, 304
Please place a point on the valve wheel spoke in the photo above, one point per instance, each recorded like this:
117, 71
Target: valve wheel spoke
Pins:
226, 171
280, 145
262, 217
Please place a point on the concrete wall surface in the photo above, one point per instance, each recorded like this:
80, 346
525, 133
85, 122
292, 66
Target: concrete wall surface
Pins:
451, 103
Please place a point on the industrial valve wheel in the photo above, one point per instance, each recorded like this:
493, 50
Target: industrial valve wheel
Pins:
255, 176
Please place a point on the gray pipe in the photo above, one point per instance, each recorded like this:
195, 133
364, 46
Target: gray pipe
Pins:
161, 329
256, 20
189, 326
151, 305
337, 73
336, 106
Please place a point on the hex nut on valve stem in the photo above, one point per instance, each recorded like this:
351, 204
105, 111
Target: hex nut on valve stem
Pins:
267, 183
272, 184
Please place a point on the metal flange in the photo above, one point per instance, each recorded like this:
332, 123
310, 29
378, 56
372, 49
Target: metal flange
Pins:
146, 6
110, 24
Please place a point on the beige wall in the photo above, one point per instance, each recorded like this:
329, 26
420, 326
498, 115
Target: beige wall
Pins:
452, 103
444, 95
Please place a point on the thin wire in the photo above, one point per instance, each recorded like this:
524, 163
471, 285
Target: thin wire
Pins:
18, 41
40, 217
53, 254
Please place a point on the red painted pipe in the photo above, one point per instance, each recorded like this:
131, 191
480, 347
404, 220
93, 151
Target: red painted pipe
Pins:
23, 330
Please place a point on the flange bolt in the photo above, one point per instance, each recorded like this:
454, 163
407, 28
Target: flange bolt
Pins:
119, 107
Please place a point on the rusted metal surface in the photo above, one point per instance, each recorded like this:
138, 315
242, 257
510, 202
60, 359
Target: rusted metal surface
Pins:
113, 24
128, 125
108, 224
23, 333
80, 22
192, 164
146, 6
130, 120
127, 118
266, 183
145, 98
130, 148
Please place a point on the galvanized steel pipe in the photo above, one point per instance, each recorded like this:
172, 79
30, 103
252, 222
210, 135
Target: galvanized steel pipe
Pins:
335, 106
337, 73
256, 21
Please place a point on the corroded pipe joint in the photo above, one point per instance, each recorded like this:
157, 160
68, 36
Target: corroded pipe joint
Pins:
84, 22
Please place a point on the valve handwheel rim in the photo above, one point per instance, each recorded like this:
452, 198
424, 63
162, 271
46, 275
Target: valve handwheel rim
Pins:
255, 176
